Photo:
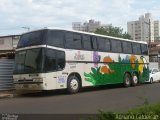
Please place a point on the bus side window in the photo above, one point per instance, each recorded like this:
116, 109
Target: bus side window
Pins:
86, 42
127, 47
50, 60
55, 38
60, 60
136, 48
73, 40
144, 49
107, 45
116, 46
94, 43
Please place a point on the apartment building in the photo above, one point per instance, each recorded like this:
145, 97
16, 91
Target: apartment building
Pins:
142, 29
89, 26
156, 30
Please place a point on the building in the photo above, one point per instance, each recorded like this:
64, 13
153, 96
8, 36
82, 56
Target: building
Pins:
90, 26
156, 30
140, 29
154, 54
8, 45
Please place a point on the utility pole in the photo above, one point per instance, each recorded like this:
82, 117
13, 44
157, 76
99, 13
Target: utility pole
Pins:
149, 35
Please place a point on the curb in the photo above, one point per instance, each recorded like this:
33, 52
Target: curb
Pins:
6, 96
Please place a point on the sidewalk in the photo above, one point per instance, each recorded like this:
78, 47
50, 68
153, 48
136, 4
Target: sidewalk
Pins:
6, 94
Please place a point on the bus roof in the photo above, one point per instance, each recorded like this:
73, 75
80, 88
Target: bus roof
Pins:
88, 33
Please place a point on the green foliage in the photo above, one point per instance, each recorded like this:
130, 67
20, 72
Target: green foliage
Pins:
146, 112
113, 31
145, 74
151, 110
95, 77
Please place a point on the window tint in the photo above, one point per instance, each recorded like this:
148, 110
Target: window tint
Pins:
19, 62
94, 43
144, 49
50, 60
55, 38
127, 47
30, 39
33, 61
116, 46
87, 42
136, 48
103, 44
73, 40
60, 60
55, 60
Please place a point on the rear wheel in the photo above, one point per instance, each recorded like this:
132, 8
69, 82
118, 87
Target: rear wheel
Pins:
73, 84
134, 81
127, 80
151, 80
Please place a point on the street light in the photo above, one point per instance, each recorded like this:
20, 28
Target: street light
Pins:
27, 28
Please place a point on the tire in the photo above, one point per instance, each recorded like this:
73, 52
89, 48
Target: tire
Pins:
127, 80
151, 80
73, 84
134, 81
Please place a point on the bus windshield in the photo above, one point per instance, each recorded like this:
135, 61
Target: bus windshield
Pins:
31, 39
29, 61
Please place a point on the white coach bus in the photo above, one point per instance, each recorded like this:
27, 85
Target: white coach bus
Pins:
49, 59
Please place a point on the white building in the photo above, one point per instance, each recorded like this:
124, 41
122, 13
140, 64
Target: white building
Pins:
76, 26
139, 30
90, 26
156, 30
8, 44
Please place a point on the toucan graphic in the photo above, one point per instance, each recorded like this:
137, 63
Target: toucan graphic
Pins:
142, 64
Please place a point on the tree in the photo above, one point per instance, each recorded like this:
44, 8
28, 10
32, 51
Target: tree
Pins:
113, 31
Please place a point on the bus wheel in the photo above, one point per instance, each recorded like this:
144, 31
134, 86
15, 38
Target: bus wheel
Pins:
134, 81
73, 84
127, 80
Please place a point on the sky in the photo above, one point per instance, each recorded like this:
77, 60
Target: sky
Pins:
36, 14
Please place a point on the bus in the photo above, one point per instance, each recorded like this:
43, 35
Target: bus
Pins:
49, 59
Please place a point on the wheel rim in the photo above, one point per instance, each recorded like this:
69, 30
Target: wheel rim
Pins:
135, 79
127, 81
74, 84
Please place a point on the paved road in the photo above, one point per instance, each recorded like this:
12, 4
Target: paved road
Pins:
90, 100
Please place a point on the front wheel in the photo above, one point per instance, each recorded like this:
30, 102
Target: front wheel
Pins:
127, 80
73, 84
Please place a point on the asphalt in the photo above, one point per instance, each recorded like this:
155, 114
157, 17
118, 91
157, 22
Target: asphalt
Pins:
89, 101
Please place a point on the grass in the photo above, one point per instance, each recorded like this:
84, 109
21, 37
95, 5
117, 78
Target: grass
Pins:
153, 109
145, 112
